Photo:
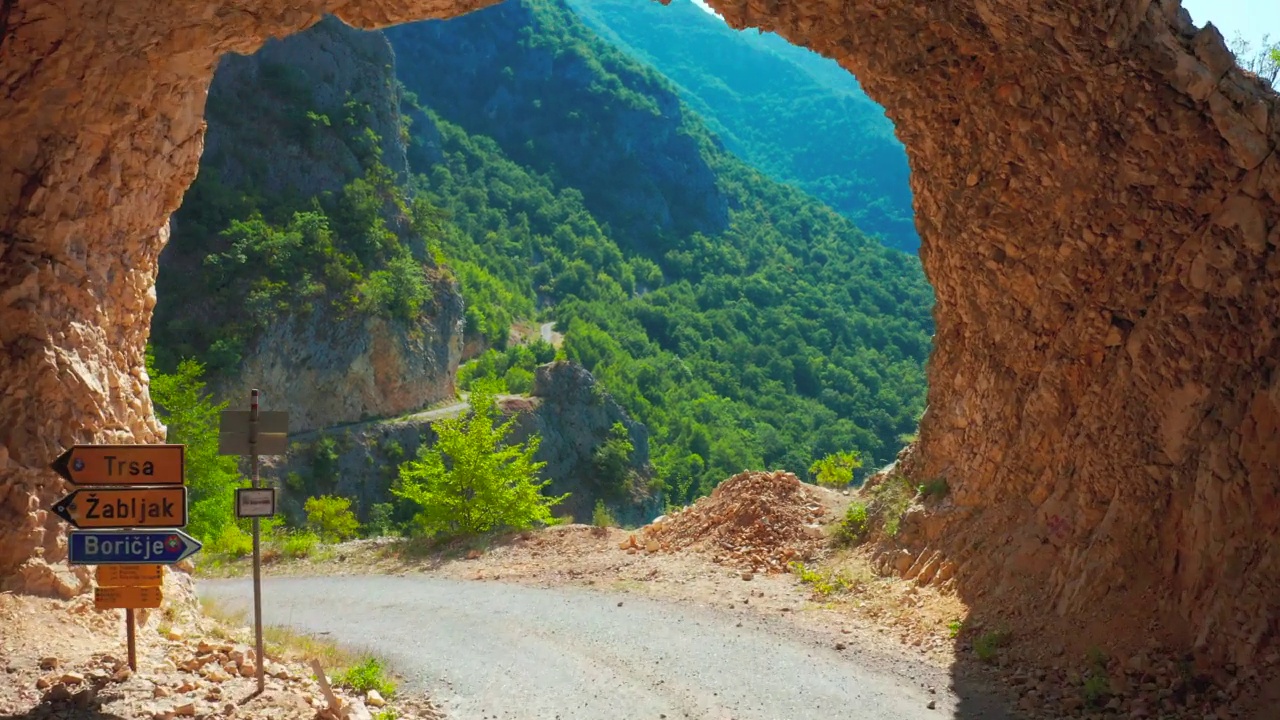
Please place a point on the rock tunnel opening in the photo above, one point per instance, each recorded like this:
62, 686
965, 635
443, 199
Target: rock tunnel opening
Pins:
1098, 201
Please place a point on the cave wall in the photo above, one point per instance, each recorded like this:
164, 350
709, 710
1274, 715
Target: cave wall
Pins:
1098, 199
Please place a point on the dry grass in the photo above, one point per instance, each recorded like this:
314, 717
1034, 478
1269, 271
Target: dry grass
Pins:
922, 616
281, 643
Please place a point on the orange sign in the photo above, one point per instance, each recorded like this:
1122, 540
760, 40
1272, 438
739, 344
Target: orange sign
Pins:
134, 575
125, 508
122, 464
106, 598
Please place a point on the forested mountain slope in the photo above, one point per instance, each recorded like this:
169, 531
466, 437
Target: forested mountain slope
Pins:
797, 116
745, 323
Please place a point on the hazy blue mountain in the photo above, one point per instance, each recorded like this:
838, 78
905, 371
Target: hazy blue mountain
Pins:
794, 114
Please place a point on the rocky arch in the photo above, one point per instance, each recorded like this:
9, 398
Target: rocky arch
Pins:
1099, 202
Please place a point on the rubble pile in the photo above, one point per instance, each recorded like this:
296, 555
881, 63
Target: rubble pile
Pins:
757, 521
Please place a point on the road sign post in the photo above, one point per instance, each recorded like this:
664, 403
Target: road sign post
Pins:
126, 487
255, 433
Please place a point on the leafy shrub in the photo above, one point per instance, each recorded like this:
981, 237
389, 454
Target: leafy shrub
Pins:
954, 627
853, 528
382, 522
936, 488
298, 543
824, 581
988, 644
469, 482
601, 517
836, 470
331, 518
230, 542
892, 498
366, 675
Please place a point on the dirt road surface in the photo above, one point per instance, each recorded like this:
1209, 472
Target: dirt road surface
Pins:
496, 650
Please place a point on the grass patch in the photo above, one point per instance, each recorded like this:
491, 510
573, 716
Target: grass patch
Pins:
283, 642
601, 517
954, 628
987, 646
891, 499
853, 528
367, 674
298, 544
936, 488
824, 581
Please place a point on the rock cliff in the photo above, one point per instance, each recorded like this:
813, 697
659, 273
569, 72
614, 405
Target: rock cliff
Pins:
327, 371
293, 120
1098, 198
568, 410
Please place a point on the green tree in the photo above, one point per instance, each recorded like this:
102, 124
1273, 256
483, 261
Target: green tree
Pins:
1262, 60
469, 482
331, 518
191, 417
612, 459
836, 470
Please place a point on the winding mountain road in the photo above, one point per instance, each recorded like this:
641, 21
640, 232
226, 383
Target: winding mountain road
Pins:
494, 650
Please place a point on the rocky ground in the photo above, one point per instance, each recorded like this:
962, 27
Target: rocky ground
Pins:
63, 659
752, 530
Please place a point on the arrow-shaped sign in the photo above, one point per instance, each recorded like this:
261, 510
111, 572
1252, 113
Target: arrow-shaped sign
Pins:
121, 464
110, 508
158, 547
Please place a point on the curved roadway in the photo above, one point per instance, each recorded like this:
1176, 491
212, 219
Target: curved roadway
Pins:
492, 650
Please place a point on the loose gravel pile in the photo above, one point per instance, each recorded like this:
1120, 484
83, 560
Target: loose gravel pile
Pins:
756, 521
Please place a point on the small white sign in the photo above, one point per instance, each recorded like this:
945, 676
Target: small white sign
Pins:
255, 502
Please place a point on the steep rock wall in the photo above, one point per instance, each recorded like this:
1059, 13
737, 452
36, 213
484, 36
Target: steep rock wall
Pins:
1098, 199
327, 371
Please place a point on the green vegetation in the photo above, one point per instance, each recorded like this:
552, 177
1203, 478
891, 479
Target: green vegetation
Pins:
744, 323
191, 418
936, 488
795, 115
1262, 60
854, 527
772, 337
367, 674
954, 628
890, 501
296, 544
987, 645
824, 581
601, 517
836, 470
331, 518
470, 482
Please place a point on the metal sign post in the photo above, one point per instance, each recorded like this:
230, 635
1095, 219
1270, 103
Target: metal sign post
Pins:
255, 433
257, 551
128, 487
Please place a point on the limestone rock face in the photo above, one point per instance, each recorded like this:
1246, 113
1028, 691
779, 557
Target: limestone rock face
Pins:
328, 370
1098, 197
574, 416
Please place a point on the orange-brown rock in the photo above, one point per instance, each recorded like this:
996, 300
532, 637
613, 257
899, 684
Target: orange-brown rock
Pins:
1099, 204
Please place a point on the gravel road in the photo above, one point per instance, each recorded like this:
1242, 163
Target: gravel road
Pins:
493, 650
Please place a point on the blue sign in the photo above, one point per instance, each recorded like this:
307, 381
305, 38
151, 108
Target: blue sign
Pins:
160, 547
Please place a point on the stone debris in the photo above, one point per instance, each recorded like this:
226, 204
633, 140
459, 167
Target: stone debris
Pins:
755, 521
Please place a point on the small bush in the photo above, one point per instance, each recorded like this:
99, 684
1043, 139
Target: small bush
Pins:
936, 488
1096, 689
231, 542
836, 470
331, 518
366, 675
987, 645
853, 529
824, 581
892, 498
601, 517
298, 544
954, 627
